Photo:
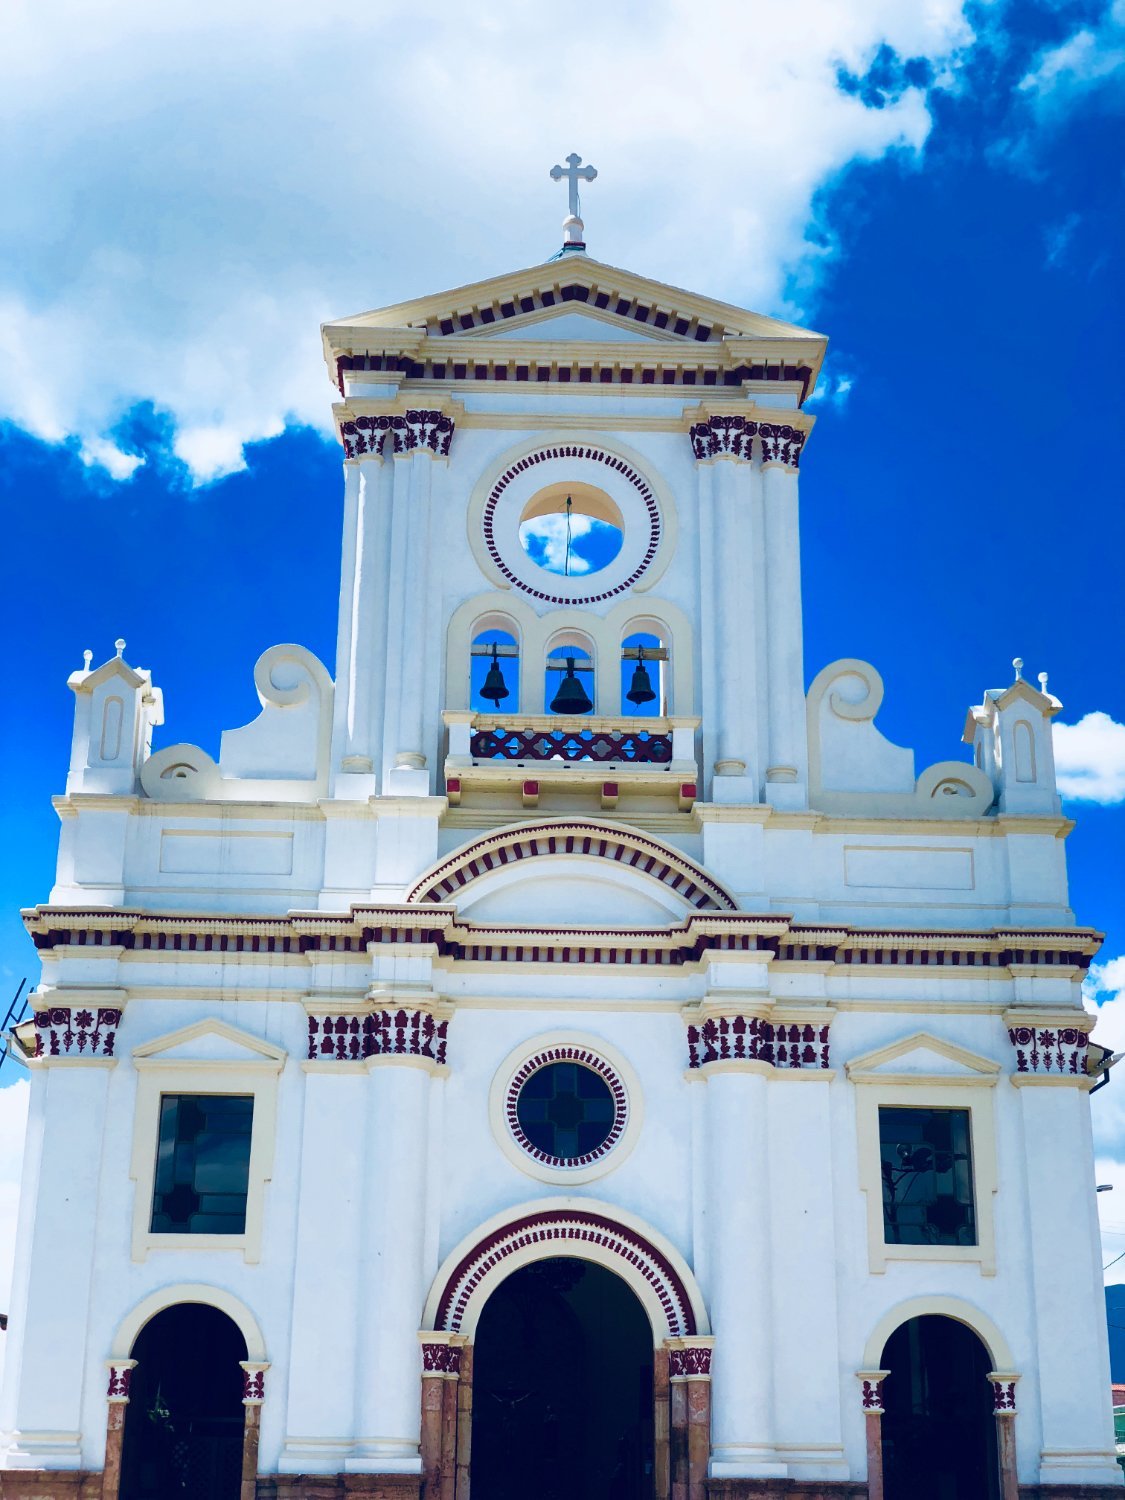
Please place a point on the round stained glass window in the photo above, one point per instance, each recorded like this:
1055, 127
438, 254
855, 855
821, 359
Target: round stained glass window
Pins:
566, 1111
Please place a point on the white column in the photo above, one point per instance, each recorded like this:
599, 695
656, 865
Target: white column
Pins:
1072, 1342
52, 1369
367, 663
787, 762
320, 1418
736, 645
806, 1385
342, 711
391, 1268
738, 1267
417, 607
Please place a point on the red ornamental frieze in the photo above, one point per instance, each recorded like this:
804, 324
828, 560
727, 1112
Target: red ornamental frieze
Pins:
1057, 1050
781, 444
751, 1039
872, 1395
732, 437
61, 1032
120, 1378
383, 1033
253, 1385
594, 455
441, 1359
597, 1065
683, 1364
1003, 1396
413, 431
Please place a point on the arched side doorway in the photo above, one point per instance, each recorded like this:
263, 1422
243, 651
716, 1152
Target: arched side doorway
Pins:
939, 1438
619, 1308
184, 1421
562, 1387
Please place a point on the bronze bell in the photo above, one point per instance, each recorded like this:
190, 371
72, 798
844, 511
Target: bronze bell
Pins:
494, 687
571, 697
641, 689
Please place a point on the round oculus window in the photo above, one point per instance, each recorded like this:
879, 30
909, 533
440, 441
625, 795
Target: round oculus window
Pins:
566, 1107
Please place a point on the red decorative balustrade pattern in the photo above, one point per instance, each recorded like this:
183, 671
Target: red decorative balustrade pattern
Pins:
384, 1033
1047, 1049
60, 1032
750, 1039
567, 745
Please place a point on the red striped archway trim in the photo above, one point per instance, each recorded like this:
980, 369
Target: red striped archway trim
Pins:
556, 1230
593, 840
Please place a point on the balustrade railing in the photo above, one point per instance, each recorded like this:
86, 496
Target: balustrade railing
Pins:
523, 744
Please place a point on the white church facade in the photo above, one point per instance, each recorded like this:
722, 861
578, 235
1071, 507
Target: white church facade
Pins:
560, 1055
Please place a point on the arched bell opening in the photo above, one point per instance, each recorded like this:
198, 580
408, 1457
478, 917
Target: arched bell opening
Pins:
570, 686
644, 674
184, 1421
562, 1387
939, 1436
494, 670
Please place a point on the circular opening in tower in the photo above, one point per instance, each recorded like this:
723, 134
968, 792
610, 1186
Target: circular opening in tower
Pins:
573, 530
567, 1113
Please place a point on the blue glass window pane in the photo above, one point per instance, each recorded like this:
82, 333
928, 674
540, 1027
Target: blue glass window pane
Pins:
927, 1169
565, 1110
202, 1164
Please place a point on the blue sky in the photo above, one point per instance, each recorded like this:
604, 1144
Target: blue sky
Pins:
189, 191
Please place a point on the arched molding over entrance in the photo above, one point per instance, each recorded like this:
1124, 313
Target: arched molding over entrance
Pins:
189, 1291
580, 1227
939, 1307
576, 838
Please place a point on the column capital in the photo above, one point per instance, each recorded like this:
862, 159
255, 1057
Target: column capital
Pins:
745, 1036
399, 1032
253, 1381
723, 436
78, 1032
1003, 1383
871, 1390
415, 430
120, 1377
441, 1353
781, 444
689, 1358
1051, 1047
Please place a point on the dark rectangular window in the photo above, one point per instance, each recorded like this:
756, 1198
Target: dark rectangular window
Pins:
927, 1165
202, 1164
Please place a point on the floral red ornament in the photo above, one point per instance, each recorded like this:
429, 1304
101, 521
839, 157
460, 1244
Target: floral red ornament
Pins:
61, 1032
383, 1033
1050, 1050
441, 1359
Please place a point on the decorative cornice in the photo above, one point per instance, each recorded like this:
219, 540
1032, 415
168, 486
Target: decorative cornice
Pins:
65, 1032
312, 935
382, 1033
411, 432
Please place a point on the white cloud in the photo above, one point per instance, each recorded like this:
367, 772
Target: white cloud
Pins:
1103, 993
1090, 759
190, 189
544, 538
100, 453
1088, 58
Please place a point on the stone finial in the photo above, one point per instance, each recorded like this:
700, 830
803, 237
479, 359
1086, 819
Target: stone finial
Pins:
1017, 663
119, 645
87, 658
1043, 684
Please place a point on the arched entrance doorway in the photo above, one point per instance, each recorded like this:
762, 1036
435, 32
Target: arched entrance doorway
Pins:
562, 1387
184, 1420
939, 1433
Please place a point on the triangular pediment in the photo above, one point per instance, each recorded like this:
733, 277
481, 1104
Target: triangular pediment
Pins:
210, 1041
922, 1057
572, 327
575, 283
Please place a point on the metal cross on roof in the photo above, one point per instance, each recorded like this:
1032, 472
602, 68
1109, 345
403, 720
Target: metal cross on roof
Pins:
573, 172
